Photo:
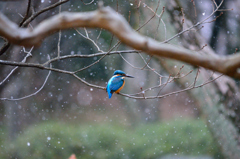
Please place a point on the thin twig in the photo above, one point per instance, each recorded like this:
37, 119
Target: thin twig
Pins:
30, 95
88, 56
60, 34
183, 19
130, 63
215, 18
100, 32
195, 25
215, 3
42, 11
24, 60
150, 18
195, 10
195, 80
172, 93
98, 59
88, 2
164, 85
159, 19
87, 37
27, 13
146, 64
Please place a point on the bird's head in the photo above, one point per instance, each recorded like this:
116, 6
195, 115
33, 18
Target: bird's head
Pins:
121, 73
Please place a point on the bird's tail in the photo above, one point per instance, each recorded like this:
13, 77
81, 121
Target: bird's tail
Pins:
109, 92
109, 95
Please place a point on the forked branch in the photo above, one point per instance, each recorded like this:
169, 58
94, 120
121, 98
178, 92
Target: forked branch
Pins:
110, 20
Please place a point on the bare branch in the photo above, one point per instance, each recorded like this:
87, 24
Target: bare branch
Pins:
160, 19
33, 16
108, 19
88, 56
98, 59
59, 35
197, 24
150, 18
88, 2
194, 6
172, 93
27, 13
59, 41
24, 60
87, 37
30, 95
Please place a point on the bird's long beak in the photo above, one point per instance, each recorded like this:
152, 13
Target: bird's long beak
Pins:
129, 76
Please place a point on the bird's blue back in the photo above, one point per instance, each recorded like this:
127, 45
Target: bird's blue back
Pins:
114, 84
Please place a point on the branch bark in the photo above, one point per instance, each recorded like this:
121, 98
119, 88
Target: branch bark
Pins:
110, 20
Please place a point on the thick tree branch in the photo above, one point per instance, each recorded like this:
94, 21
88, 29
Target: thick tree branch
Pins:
110, 20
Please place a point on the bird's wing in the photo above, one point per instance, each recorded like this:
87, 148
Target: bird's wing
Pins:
115, 83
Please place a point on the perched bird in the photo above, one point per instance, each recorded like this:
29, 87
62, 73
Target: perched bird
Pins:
116, 82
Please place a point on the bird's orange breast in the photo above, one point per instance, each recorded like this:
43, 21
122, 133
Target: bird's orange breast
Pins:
117, 91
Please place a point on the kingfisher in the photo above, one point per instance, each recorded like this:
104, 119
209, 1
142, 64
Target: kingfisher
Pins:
116, 82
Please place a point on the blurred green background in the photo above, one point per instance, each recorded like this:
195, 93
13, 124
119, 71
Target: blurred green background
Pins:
55, 139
